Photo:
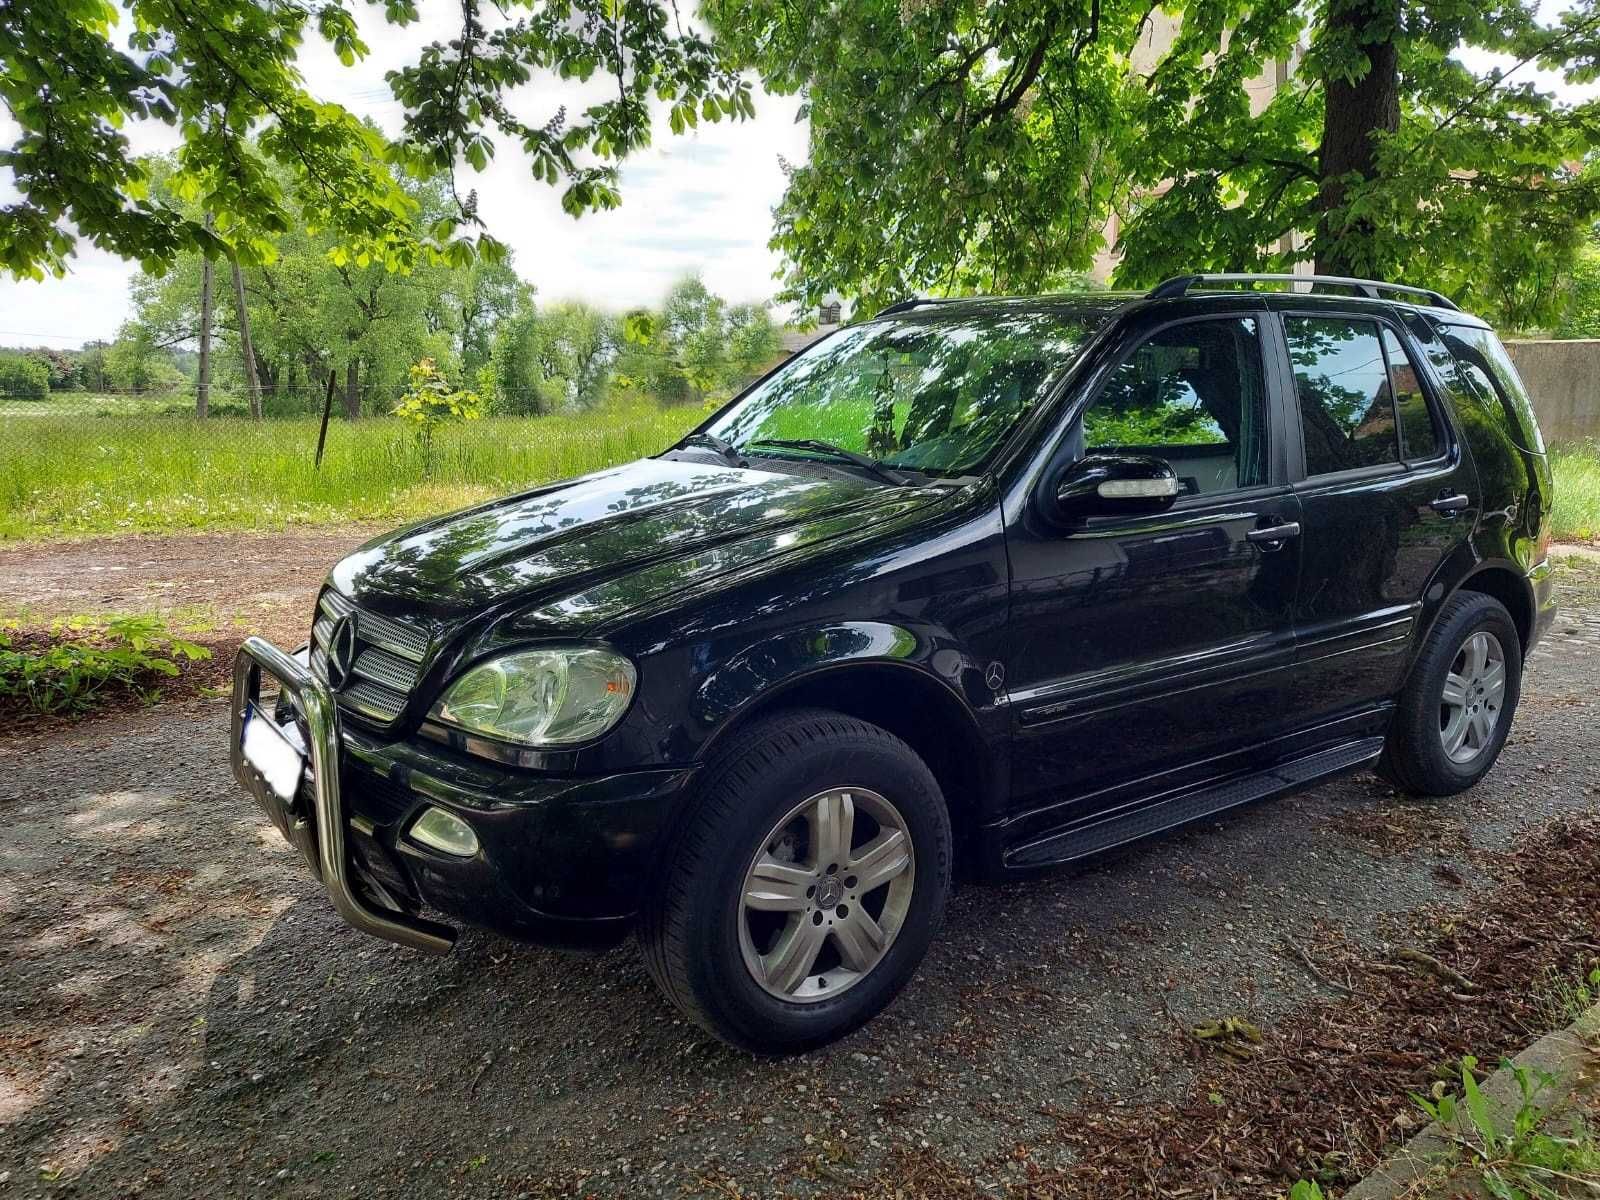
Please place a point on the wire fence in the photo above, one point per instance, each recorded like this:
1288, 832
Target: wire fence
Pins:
287, 416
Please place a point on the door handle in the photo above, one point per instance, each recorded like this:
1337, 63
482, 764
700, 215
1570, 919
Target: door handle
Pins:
1272, 537
1450, 505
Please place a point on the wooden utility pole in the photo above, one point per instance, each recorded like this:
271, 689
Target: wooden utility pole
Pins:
246, 347
202, 394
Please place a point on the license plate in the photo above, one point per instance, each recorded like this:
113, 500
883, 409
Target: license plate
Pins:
268, 749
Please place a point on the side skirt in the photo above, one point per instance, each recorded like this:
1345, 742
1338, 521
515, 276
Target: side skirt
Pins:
1170, 812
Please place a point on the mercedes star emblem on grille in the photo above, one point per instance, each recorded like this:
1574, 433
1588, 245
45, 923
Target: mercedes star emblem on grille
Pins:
342, 651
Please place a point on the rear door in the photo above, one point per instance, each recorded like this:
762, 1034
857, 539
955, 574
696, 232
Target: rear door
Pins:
1386, 495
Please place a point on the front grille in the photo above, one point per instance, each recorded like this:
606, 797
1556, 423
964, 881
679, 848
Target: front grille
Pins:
388, 659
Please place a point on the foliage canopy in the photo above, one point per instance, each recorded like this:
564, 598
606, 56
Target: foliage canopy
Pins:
965, 146
259, 152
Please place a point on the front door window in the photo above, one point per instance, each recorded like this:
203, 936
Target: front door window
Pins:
1194, 395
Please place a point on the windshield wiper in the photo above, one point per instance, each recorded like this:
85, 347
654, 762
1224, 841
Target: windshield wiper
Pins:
818, 446
724, 448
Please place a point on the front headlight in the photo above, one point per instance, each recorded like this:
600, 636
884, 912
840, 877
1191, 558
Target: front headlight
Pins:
553, 697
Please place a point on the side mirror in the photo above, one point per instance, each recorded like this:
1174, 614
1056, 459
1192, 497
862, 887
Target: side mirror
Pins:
1115, 484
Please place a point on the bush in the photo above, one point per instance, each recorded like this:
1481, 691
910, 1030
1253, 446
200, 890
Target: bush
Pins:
431, 401
68, 670
23, 375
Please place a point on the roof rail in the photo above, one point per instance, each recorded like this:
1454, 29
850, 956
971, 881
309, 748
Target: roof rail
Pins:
1371, 288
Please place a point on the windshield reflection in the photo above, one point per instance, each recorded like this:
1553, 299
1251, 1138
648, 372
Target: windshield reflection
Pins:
927, 391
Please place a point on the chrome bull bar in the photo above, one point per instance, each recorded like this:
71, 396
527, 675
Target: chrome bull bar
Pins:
322, 838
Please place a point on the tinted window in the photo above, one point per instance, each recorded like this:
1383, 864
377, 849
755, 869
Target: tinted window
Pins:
1418, 437
1346, 411
1487, 371
1193, 395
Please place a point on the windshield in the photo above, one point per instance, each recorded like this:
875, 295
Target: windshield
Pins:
935, 394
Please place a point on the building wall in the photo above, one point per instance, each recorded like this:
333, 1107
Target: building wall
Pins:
1563, 377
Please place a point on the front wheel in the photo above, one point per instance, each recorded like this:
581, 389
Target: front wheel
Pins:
806, 886
1456, 709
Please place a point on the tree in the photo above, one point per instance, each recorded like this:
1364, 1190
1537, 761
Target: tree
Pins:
202, 389
135, 364
23, 375
753, 343
312, 310
223, 73
1002, 137
1581, 318
474, 301
558, 357
517, 367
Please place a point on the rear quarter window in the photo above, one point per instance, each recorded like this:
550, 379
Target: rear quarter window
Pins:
1486, 373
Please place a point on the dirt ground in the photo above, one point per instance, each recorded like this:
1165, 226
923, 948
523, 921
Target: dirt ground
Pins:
259, 583
182, 1014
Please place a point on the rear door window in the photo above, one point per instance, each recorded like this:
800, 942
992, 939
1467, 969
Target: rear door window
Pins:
1419, 435
1341, 379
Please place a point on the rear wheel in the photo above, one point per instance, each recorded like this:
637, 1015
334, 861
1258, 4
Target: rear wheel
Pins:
806, 886
1456, 709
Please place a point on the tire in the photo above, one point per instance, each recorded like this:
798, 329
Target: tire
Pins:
768, 807
1418, 756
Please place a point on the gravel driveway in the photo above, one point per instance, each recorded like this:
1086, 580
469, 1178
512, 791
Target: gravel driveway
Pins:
182, 1014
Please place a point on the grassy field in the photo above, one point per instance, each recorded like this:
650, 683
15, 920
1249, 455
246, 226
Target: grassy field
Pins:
1577, 508
78, 476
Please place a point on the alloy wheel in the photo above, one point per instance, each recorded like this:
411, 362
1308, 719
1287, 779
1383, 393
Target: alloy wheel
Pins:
1473, 701
826, 894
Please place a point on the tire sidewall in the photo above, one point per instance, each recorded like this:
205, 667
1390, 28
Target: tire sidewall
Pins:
1486, 615
722, 980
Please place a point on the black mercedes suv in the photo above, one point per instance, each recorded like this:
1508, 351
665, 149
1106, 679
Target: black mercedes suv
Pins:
971, 589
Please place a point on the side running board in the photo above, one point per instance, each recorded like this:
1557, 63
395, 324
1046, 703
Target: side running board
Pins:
1122, 828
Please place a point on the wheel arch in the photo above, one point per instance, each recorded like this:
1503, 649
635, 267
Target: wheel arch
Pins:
911, 703
1506, 584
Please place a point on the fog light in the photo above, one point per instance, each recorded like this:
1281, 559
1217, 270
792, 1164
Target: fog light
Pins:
445, 832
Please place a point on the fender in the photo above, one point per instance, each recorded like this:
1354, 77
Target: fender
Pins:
764, 671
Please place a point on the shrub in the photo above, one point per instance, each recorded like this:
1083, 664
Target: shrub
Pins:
432, 401
23, 375
72, 667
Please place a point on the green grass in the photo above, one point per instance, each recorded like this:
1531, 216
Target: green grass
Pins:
1576, 516
80, 476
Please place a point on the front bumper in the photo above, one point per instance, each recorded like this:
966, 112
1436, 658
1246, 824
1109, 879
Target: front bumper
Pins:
561, 862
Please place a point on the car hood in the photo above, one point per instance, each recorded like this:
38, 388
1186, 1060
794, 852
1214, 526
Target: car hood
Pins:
585, 551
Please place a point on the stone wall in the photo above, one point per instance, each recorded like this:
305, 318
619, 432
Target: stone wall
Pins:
1563, 377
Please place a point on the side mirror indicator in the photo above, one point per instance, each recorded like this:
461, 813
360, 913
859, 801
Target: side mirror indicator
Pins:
1138, 489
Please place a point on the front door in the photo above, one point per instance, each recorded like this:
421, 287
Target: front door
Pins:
1141, 646
1386, 496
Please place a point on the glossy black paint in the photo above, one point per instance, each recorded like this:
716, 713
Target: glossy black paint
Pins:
1052, 673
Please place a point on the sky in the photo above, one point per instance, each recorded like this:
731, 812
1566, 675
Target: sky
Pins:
701, 202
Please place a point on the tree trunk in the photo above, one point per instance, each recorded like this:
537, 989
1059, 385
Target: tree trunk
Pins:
1356, 110
202, 392
352, 388
246, 347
